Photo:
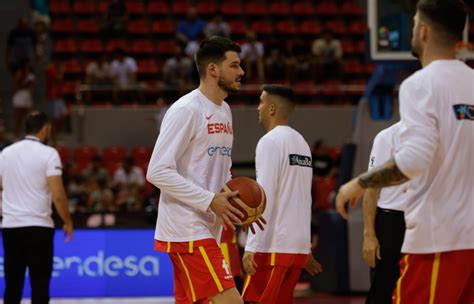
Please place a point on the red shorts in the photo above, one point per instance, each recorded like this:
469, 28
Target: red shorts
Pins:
231, 253
275, 278
200, 270
437, 278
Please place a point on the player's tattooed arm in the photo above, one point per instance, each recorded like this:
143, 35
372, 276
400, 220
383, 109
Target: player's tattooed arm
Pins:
385, 175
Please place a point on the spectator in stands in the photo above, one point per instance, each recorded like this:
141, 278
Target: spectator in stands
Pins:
276, 61
252, 56
178, 69
21, 45
101, 198
124, 75
129, 182
217, 27
115, 20
4, 142
95, 172
56, 106
299, 65
322, 161
99, 72
190, 28
327, 53
23, 81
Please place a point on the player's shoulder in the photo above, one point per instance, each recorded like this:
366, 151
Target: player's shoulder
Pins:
187, 103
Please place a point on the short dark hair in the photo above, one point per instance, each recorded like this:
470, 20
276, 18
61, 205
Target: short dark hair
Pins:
449, 16
35, 121
212, 50
281, 91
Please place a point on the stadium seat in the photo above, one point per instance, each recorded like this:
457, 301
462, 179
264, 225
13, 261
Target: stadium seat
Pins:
347, 46
141, 154
262, 27
72, 66
87, 26
135, 7
114, 44
62, 26
64, 153
358, 27
103, 6
326, 9
162, 27
351, 9
352, 67
337, 26
142, 46
255, 8
302, 8
286, 27
359, 47
113, 154
92, 46
148, 67
279, 9
166, 47
158, 8
231, 8
310, 27
69, 89
66, 46
138, 27
206, 8
59, 7
84, 153
237, 27
84, 7
180, 7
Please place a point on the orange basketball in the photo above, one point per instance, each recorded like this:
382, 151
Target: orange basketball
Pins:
251, 200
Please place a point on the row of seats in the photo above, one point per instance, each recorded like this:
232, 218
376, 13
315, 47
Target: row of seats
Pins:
231, 8
108, 154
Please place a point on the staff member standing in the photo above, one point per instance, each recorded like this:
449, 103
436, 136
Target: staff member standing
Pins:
30, 172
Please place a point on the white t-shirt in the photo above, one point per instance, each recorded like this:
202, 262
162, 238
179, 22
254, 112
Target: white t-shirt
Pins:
24, 168
386, 143
135, 176
436, 137
253, 50
191, 162
123, 70
284, 170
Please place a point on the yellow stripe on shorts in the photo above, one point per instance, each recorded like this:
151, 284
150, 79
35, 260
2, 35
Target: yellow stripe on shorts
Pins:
246, 284
434, 276
226, 254
191, 246
193, 294
211, 269
272, 259
168, 247
399, 283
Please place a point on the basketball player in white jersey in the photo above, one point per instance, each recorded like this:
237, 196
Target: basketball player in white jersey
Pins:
190, 163
436, 138
274, 257
384, 223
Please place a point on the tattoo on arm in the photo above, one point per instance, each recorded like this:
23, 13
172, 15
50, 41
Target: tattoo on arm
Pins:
385, 175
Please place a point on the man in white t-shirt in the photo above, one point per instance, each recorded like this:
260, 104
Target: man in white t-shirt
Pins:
436, 132
274, 257
384, 223
190, 164
252, 56
30, 173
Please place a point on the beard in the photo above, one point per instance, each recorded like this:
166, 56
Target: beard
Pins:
415, 52
226, 85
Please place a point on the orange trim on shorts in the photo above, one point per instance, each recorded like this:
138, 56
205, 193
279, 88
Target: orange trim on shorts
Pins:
211, 269
399, 283
246, 284
434, 276
193, 294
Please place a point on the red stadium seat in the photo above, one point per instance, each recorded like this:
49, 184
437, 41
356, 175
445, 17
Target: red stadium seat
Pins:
113, 154
231, 8
262, 27
135, 7
60, 7
279, 9
62, 26
359, 47
138, 27
238, 27
143, 46
84, 153
310, 27
148, 67
180, 7
65, 46
351, 9
64, 153
87, 26
358, 27
72, 66
337, 26
255, 8
141, 154
327, 9
302, 8
347, 46
92, 46
206, 7
84, 7
166, 47
69, 88
352, 67
286, 27
103, 6
162, 27
158, 8
114, 44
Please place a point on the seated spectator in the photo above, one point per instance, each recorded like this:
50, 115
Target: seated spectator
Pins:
327, 53
178, 69
21, 45
99, 72
129, 182
124, 75
95, 172
115, 19
218, 27
190, 28
56, 106
276, 60
252, 56
23, 82
101, 198
299, 65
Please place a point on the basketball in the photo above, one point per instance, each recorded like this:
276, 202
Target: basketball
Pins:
251, 200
